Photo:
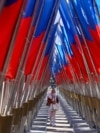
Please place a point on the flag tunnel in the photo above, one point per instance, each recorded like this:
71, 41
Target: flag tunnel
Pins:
43, 43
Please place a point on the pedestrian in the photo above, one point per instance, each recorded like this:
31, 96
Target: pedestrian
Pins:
52, 103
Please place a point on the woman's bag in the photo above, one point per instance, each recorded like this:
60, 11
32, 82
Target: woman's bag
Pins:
48, 102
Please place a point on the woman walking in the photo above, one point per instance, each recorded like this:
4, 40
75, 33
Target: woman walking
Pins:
52, 103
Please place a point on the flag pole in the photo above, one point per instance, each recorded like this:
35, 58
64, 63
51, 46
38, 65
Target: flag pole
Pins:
39, 65
90, 89
52, 15
34, 89
2, 2
72, 71
22, 65
18, 75
33, 36
12, 41
97, 10
24, 53
86, 65
44, 73
30, 93
43, 44
11, 46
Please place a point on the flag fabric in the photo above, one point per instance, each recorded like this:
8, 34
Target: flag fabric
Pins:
39, 34
2, 2
66, 71
42, 58
70, 53
80, 40
87, 8
66, 49
8, 19
48, 50
57, 63
72, 35
21, 38
98, 5
80, 35
92, 45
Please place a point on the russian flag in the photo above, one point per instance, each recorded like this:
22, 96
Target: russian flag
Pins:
39, 35
21, 39
2, 2
8, 19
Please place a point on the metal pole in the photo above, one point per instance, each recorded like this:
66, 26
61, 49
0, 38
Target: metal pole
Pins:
86, 65
12, 44
46, 67
97, 10
26, 45
19, 72
52, 15
2, 2
23, 64
56, 6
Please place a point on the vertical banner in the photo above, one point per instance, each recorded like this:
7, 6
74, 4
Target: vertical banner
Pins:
39, 35
21, 39
8, 19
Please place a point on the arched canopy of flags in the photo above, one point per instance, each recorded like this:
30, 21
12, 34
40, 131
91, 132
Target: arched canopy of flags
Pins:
40, 39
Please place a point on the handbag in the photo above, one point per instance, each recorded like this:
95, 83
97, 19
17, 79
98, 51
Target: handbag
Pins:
48, 102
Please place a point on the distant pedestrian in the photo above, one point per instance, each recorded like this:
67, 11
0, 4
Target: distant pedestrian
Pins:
52, 103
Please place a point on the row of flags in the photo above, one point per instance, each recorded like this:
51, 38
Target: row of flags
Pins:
80, 39
29, 44
25, 26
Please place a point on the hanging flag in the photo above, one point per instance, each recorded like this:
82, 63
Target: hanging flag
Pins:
98, 5
87, 9
21, 38
49, 40
41, 58
92, 46
8, 19
66, 68
57, 63
39, 34
67, 53
2, 2
48, 50
72, 35
80, 40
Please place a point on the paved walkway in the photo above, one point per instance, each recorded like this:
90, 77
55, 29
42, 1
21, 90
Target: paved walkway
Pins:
67, 121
